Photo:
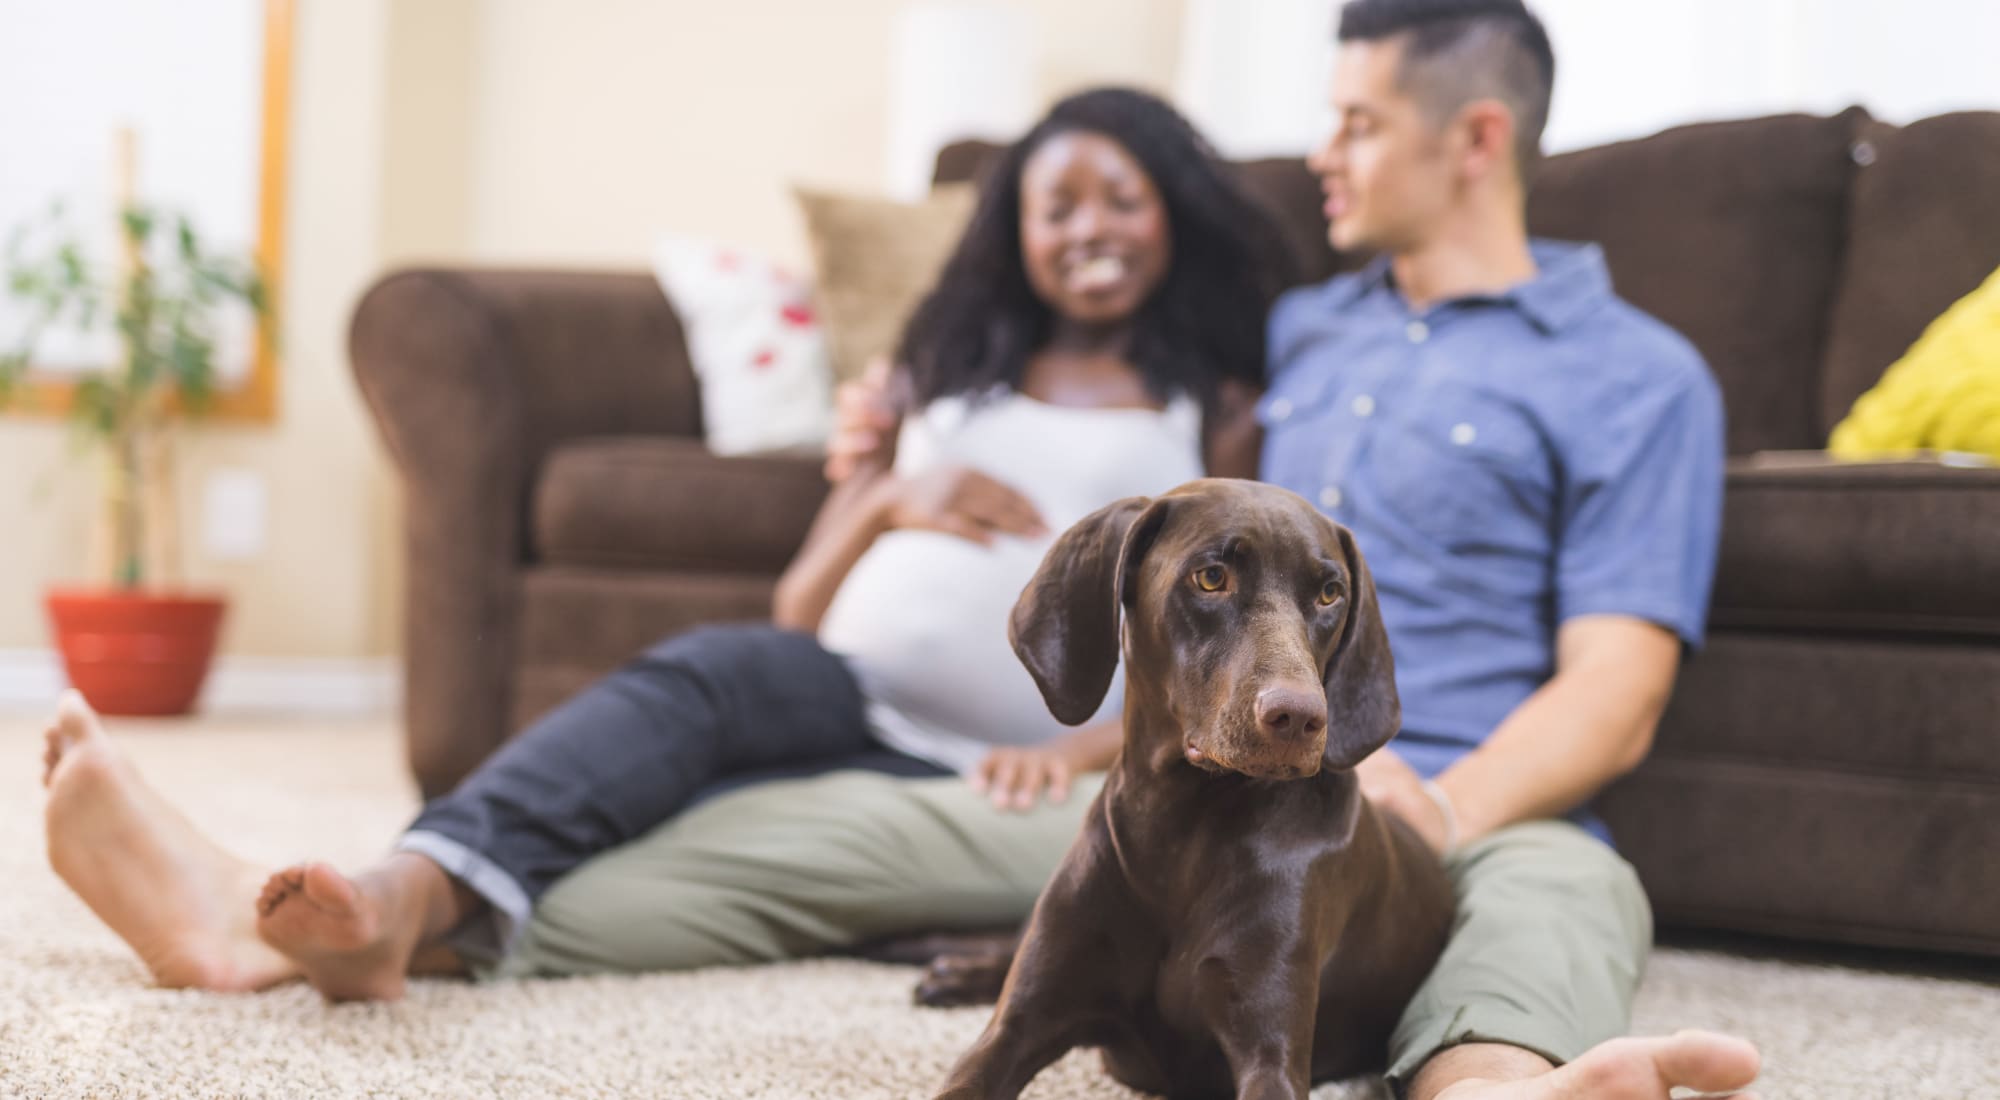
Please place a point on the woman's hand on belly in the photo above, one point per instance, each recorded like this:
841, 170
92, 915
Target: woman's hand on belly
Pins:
958, 500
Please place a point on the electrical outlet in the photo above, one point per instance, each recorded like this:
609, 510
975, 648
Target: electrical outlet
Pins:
234, 515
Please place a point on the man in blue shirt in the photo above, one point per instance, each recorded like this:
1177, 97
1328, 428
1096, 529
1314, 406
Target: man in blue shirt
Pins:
1534, 469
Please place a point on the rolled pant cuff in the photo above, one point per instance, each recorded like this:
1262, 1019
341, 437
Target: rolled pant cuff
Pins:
487, 936
1476, 1024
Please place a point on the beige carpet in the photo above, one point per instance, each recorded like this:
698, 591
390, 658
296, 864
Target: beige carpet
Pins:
77, 1018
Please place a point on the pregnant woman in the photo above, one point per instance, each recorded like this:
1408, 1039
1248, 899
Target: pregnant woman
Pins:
1097, 334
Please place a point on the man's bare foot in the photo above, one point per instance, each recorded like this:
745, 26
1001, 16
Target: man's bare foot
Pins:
174, 896
354, 938
1621, 1069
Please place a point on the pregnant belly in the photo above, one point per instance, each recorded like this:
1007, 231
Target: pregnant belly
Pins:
922, 619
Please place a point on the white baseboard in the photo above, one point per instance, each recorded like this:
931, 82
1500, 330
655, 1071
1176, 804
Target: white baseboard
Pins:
30, 679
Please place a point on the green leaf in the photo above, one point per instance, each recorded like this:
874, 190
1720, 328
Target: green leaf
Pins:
138, 224
70, 266
165, 314
12, 366
193, 361
97, 407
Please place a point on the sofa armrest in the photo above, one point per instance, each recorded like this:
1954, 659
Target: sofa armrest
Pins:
472, 377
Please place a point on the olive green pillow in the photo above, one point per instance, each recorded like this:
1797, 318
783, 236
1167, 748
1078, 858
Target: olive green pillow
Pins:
874, 259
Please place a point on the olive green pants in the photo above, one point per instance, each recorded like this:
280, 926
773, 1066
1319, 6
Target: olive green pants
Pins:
1551, 935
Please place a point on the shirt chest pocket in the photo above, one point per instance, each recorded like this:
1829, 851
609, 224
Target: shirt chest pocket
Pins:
1469, 474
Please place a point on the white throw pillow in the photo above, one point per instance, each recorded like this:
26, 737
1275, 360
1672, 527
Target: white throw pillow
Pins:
758, 347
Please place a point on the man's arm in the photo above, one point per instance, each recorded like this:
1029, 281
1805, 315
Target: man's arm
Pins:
1639, 519
1591, 723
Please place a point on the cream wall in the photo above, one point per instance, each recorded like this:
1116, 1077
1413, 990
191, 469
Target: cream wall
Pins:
602, 123
516, 131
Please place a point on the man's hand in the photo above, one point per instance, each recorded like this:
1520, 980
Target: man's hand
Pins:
1396, 787
958, 500
864, 415
1015, 779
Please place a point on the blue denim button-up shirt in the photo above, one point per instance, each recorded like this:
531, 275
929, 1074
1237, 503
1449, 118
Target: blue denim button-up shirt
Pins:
1506, 463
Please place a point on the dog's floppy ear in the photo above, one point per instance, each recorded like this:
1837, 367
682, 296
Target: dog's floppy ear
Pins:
1362, 710
1065, 625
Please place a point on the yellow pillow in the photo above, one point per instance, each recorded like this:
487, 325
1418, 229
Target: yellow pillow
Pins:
1942, 395
874, 259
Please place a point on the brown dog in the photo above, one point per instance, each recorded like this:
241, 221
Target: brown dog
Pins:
1234, 917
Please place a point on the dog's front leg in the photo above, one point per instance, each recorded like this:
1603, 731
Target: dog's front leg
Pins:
1066, 981
1261, 1008
1044, 1010
1021, 1039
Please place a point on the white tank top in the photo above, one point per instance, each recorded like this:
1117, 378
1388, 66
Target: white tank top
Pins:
922, 617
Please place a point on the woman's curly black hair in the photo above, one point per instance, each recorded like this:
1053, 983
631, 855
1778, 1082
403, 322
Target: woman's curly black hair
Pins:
980, 325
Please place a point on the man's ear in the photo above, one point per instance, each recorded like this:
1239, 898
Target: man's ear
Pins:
1065, 625
1362, 709
1488, 127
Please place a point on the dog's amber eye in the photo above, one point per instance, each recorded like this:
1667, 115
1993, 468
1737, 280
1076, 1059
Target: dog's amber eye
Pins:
1329, 593
1211, 578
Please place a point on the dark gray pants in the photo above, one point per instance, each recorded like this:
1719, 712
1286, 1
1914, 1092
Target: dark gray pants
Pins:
701, 713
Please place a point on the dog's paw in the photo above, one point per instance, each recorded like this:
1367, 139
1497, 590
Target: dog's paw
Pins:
952, 980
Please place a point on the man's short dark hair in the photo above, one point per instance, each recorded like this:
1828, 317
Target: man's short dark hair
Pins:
1458, 51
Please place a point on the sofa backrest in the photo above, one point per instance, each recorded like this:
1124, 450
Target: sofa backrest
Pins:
1731, 232
1736, 233
1923, 232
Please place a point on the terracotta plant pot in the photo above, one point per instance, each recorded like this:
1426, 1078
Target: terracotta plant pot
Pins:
136, 653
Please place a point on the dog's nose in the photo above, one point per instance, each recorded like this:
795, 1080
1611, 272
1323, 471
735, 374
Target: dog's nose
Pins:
1289, 712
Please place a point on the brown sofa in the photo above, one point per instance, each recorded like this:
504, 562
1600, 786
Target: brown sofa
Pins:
1830, 766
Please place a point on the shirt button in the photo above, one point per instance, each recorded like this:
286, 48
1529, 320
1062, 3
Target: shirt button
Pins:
1329, 498
1364, 405
1419, 332
1464, 434
1280, 408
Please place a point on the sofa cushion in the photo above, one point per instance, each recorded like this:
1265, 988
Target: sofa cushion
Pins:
657, 503
875, 259
1880, 705
756, 344
1732, 233
1924, 231
1803, 853
1896, 547
1826, 788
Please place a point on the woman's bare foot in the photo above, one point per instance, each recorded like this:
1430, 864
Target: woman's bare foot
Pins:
1621, 1069
174, 896
354, 938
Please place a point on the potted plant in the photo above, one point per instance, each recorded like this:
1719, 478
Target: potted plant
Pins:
135, 643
